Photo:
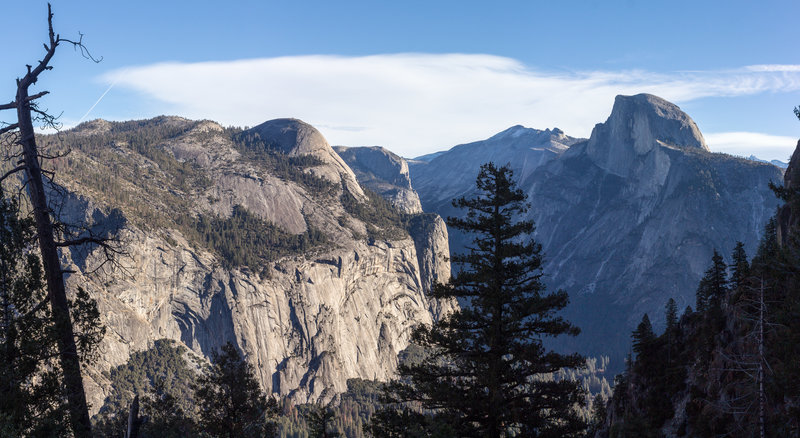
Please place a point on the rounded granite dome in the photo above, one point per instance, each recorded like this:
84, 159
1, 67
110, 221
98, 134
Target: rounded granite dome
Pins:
637, 126
665, 122
295, 137
292, 136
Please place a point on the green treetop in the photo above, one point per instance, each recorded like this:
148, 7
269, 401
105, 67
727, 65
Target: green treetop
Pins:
488, 371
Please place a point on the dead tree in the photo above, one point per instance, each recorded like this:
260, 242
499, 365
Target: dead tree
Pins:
35, 180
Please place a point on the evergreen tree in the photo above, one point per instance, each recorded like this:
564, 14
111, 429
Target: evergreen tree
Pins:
643, 338
318, 419
31, 378
165, 415
740, 268
30, 404
713, 285
230, 402
671, 313
487, 371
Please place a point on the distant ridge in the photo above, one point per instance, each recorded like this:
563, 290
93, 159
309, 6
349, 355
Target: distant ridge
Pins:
779, 163
627, 219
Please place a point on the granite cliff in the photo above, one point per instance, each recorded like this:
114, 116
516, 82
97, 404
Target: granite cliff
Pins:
255, 237
627, 218
384, 173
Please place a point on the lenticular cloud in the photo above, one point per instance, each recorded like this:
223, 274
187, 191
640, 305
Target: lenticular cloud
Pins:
417, 103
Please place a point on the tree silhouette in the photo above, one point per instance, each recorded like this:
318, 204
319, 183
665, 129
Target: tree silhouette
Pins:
487, 374
231, 404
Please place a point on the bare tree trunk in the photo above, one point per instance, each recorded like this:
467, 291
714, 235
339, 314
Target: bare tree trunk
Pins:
35, 184
761, 395
56, 291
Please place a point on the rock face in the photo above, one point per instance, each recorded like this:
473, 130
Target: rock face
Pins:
628, 218
787, 219
307, 320
430, 236
384, 173
452, 174
638, 125
295, 137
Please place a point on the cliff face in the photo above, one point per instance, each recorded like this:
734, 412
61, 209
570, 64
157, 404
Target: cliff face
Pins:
628, 218
788, 220
308, 316
384, 173
451, 174
637, 126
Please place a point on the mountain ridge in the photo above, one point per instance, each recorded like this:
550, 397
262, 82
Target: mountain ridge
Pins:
229, 239
627, 218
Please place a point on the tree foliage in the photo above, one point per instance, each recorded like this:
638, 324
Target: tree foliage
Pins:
30, 375
487, 371
230, 401
731, 366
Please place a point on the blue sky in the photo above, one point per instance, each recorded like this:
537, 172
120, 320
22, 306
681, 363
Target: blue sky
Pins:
420, 76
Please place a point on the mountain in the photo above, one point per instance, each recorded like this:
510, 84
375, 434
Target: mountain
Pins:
452, 173
262, 237
778, 163
384, 173
728, 368
627, 219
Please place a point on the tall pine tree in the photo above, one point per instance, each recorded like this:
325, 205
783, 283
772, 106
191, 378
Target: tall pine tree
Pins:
740, 268
713, 285
487, 374
230, 402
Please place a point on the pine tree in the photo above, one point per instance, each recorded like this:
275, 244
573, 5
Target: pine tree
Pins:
740, 268
713, 285
671, 314
319, 420
230, 402
486, 374
30, 404
166, 418
643, 338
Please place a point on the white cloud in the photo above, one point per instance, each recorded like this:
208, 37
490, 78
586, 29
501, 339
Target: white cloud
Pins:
764, 146
418, 103
773, 68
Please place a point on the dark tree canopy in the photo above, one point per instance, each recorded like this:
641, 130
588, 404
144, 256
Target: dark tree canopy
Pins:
740, 268
32, 402
643, 336
671, 315
487, 374
713, 285
230, 402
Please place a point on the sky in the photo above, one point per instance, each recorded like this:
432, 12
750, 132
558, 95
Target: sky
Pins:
420, 76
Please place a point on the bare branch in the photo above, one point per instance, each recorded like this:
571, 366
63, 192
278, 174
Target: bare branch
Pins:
37, 307
12, 171
7, 106
84, 240
9, 128
78, 45
37, 95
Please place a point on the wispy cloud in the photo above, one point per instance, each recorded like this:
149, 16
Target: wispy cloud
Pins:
418, 103
763, 146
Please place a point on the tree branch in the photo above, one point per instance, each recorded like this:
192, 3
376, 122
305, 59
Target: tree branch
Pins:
37, 307
36, 96
13, 171
9, 128
84, 240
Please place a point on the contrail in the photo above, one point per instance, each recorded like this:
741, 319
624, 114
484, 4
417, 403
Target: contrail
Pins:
98, 100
